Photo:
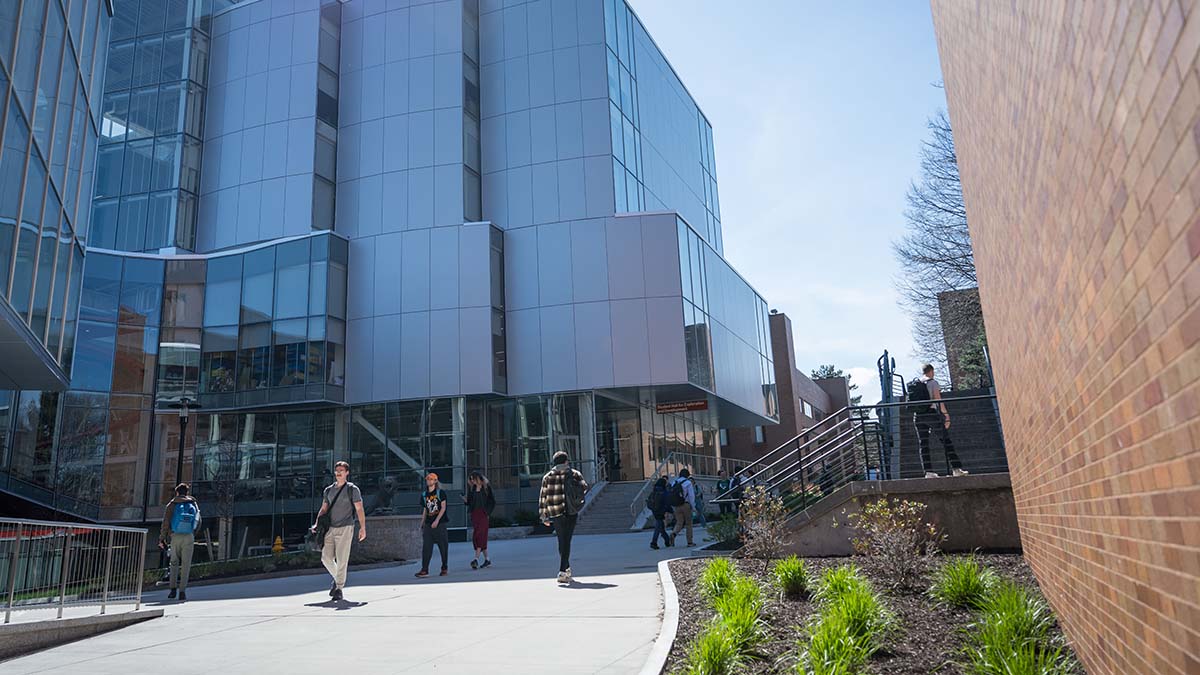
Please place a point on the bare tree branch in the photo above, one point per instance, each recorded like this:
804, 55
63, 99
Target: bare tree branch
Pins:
935, 254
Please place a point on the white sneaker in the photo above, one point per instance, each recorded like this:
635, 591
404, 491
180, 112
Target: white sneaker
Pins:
568, 575
930, 474
563, 578
960, 472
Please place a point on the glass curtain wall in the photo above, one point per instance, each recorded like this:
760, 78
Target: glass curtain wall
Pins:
50, 58
150, 134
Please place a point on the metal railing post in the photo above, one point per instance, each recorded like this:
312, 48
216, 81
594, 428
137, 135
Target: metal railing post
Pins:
12, 573
141, 573
107, 571
66, 570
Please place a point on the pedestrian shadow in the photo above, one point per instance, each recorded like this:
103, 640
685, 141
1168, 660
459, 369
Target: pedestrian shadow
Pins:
339, 605
589, 586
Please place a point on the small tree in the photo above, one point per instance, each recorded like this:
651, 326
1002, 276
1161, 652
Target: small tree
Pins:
222, 469
894, 532
828, 370
763, 519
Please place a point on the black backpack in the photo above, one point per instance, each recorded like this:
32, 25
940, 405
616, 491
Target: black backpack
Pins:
918, 392
677, 496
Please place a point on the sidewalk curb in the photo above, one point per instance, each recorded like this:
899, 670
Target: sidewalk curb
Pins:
657, 660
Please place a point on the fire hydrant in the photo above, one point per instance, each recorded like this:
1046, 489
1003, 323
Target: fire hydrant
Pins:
277, 547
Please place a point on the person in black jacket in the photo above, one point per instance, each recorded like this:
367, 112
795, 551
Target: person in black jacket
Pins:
659, 505
480, 503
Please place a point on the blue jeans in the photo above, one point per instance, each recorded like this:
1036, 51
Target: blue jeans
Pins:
700, 513
660, 528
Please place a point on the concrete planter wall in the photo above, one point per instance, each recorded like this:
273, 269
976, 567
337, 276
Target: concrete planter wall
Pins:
398, 536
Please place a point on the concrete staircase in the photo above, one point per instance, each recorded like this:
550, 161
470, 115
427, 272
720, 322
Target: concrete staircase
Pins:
609, 512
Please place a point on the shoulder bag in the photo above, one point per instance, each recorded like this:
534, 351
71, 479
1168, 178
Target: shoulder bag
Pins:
325, 520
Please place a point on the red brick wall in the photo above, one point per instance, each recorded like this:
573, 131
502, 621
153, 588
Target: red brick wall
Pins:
1077, 125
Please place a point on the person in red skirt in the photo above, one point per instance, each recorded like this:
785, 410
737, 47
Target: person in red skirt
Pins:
480, 503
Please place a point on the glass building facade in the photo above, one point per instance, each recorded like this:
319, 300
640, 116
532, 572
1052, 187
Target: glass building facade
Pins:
52, 58
423, 236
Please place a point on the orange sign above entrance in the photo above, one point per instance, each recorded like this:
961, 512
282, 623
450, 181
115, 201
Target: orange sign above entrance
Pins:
681, 406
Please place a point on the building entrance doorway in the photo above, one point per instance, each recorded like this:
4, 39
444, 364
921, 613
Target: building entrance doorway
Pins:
619, 444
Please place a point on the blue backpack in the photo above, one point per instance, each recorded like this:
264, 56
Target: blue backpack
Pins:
183, 520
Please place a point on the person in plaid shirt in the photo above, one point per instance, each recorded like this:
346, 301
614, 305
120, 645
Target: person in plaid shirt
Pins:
559, 503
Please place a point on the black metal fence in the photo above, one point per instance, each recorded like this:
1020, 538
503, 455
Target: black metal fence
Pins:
955, 436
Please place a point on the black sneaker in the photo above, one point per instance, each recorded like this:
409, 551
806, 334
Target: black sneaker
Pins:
422, 574
172, 594
337, 594
474, 564
654, 546
486, 563
183, 596
332, 588
444, 572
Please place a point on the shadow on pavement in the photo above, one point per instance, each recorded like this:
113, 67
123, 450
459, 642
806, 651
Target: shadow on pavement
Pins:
336, 604
591, 586
513, 560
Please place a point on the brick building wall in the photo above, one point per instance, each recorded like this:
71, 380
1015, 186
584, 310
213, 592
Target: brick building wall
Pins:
1077, 126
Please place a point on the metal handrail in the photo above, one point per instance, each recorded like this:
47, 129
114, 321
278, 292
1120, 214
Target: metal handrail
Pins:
795, 438
727, 495
636, 507
50, 564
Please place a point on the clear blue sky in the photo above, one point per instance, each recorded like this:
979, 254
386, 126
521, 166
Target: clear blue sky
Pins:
818, 113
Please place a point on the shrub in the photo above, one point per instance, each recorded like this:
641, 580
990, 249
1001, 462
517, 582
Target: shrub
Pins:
852, 625
1024, 659
1015, 615
792, 577
837, 581
763, 519
717, 577
1013, 636
739, 609
713, 653
962, 583
723, 530
894, 532
864, 616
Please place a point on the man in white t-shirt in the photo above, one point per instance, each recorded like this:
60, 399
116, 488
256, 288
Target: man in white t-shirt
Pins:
935, 417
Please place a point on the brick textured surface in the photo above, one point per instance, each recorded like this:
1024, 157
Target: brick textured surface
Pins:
1078, 131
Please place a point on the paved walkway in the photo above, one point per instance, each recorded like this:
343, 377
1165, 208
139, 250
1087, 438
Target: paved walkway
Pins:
509, 618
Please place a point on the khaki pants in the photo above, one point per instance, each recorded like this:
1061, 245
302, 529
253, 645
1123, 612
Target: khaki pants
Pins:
335, 555
181, 554
683, 518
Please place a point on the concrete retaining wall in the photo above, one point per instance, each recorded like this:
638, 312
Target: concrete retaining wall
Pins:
25, 638
398, 536
976, 512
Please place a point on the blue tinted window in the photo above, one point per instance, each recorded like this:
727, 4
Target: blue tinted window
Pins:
141, 292
258, 280
94, 356
101, 288
291, 279
223, 291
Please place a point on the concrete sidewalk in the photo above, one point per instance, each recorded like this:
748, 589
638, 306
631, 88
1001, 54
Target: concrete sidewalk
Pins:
511, 617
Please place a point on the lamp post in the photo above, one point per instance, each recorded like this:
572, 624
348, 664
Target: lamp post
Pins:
183, 405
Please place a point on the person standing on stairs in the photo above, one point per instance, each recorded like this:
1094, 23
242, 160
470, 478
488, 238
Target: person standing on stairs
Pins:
559, 503
930, 413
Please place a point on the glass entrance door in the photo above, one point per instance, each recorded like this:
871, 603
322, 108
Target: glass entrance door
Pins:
618, 444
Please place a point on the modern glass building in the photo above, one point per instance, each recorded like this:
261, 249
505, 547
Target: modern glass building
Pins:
416, 235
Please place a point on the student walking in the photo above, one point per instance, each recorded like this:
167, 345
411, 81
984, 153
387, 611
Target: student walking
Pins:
683, 495
930, 413
657, 503
181, 519
480, 503
559, 503
434, 529
341, 503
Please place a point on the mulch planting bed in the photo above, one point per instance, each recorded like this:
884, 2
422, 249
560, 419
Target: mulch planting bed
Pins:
928, 641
